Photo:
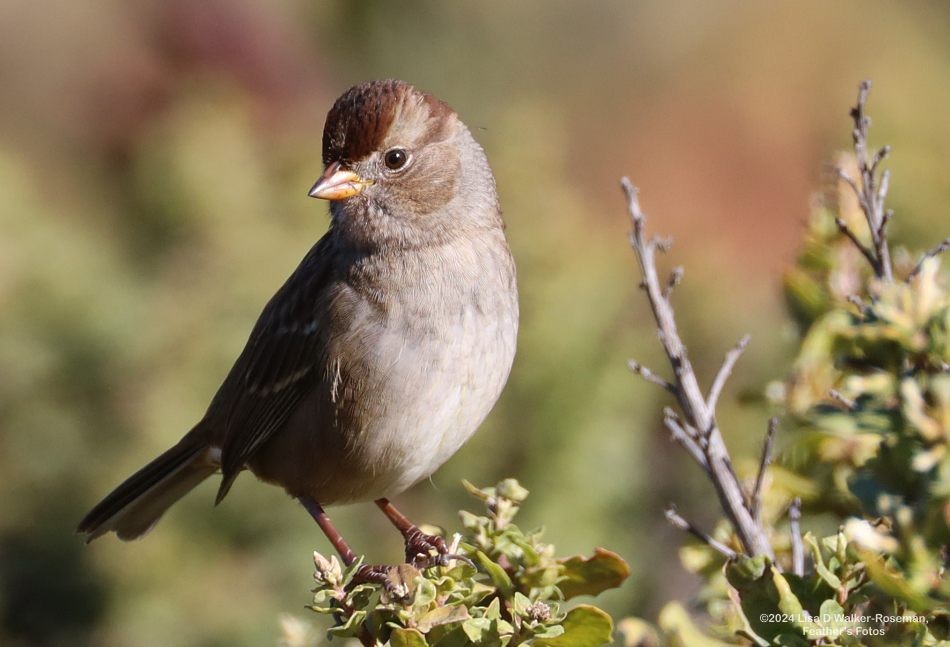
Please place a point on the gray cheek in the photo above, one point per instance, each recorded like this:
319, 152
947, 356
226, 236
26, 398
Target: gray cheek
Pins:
433, 187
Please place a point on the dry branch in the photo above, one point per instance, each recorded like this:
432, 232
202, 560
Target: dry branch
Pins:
677, 521
798, 550
936, 251
843, 400
696, 427
764, 461
870, 189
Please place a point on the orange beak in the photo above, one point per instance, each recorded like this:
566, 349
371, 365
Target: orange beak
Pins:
338, 183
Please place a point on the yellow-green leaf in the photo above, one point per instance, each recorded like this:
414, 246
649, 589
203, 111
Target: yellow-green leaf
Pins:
403, 637
593, 575
584, 626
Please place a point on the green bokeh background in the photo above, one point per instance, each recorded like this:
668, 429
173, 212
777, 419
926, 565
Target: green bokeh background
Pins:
154, 161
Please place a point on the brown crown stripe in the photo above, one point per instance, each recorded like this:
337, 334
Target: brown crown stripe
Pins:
359, 120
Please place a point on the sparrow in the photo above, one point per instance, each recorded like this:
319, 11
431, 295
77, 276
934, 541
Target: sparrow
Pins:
385, 349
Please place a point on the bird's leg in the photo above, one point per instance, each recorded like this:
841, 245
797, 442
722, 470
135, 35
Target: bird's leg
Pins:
368, 573
419, 545
323, 520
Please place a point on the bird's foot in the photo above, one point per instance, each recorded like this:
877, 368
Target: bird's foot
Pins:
425, 551
388, 577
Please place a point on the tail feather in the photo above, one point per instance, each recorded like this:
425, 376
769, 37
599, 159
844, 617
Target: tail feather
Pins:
133, 508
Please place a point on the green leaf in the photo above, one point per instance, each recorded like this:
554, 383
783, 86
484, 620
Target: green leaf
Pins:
352, 625
584, 626
511, 489
476, 491
493, 610
403, 637
788, 602
831, 617
477, 629
520, 604
830, 578
497, 574
442, 616
744, 569
891, 581
593, 575
549, 631
762, 593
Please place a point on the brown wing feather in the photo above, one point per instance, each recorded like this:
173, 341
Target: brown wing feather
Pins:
278, 366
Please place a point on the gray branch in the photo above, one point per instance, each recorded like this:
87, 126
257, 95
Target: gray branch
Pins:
842, 399
725, 371
648, 375
798, 551
685, 437
764, 461
936, 251
871, 192
697, 411
677, 521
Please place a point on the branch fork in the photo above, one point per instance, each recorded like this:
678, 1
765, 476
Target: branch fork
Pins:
694, 426
870, 189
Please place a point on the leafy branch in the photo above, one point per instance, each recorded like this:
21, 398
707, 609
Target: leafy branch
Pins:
869, 401
510, 591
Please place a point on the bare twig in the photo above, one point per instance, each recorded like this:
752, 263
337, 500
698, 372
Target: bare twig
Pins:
649, 375
936, 251
725, 371
871, 192
676, 276
858, 303
699, 432
764, 461
685, 437
844, 229
677, 521
843, 400
798, 552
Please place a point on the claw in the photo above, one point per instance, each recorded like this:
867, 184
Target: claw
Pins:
425, 551
420, 546
382, 575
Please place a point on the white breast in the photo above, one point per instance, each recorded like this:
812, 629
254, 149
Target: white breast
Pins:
439, 358
442, 386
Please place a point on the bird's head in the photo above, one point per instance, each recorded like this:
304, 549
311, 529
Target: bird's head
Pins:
402, 169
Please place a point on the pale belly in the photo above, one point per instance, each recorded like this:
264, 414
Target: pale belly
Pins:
399, 411
443, 392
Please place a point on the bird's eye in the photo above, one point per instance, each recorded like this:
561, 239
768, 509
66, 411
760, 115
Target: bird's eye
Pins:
395, 158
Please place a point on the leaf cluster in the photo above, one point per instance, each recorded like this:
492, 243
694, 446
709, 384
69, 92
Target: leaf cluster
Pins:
511, 589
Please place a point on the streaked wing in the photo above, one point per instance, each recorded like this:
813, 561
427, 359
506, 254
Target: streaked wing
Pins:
277, 367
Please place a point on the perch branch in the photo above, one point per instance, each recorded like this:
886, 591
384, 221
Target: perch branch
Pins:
697, 414
677, 521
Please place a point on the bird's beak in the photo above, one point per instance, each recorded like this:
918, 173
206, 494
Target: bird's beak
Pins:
338, 183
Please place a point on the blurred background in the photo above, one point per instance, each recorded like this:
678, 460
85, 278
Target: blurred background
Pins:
154, 162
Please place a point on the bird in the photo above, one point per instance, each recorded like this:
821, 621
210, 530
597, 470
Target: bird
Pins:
384, 350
